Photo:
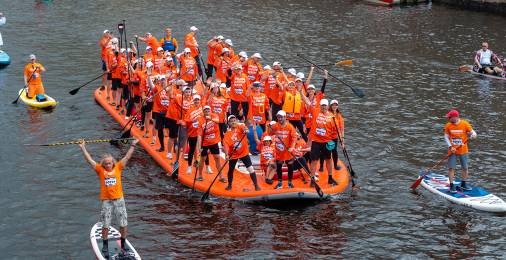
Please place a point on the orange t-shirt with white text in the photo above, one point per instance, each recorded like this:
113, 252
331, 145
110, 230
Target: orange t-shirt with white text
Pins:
110, 182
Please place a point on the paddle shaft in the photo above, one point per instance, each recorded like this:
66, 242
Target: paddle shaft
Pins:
316, 186
345, 152
358, 92
26, 87
79, 141
74, 91
206, 195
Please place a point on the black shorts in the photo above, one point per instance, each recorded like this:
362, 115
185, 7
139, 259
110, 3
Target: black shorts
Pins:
246, 160
214, 149
137, 99
116, 83
104, 67
148, 107
173, 127
319, 150
161, 120
109, 76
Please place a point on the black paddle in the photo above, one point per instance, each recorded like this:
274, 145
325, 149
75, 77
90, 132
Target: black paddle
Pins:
206, 70
206, 195
357, 91
74, 91
316, 186
345, 153
25, 88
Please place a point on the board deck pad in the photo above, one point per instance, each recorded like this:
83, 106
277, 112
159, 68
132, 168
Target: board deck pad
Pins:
477, 197
114, 237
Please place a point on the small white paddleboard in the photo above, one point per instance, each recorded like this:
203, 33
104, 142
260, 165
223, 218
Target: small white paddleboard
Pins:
476, 198
114, 238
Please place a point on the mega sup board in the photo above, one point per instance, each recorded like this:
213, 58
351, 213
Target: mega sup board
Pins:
469, 68
477, 198
114, 238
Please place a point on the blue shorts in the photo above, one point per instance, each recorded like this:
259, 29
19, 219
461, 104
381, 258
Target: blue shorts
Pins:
463, 158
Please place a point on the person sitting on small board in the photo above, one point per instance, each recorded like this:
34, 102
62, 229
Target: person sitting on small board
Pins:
457, 132
111, 192
33, 79
483, 61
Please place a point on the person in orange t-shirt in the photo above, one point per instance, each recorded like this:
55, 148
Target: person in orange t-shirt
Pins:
149, 40
253, 67
457, 133
258, 107
239, 91
284, 137
267, 156
193, 122
223, 64
32, 77
208, 140
111, 192
104, 43
219, 105
235, 146
212, 46
338, 121
180, 103
188, 67
190, 42
322, 131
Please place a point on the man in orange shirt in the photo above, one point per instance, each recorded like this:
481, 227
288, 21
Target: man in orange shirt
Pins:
149, 40
208, 140
188, 67
253, 67
258, 107
235, 146
223, 64
239, 91
111, 192
284, 138
190, 41
213, 46
32, 77
104, 42
457, 133
193, 122
322, 131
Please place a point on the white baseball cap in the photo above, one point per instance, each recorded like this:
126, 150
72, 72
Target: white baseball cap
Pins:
276, 63
281, 113
311, 86
114, 40
300, 75
230, 117
196, 97
267, 67
229, 42
324, 102
223, 85
243, 54
149, 64
298, 79
207, 107
292, 71
256, 55
224, 50
148, 47
272, 123
159, 49
106, 31
187, 50
334, 102
122, 50
193, 29
180, 82
220, 37
267, 138
32, 57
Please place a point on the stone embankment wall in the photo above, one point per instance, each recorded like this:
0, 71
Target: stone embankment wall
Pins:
493, 6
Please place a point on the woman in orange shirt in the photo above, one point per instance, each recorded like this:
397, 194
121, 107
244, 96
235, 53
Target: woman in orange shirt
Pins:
322, 131
239, 91
193, 122
219, 105
109, 173
179, 104
235, 146
253, 67
267, 156
211, 53
311, 100
284, 137
223, 64
188, 67
339, 122
208, 140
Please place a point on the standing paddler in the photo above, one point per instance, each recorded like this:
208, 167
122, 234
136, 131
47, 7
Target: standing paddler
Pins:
111, 192
457, 133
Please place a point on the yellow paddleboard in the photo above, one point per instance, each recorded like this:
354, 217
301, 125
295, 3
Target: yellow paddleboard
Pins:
50, 103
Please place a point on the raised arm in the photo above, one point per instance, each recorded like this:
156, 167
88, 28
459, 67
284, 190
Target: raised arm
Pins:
129, 153
310, 76
325, 77
87, 155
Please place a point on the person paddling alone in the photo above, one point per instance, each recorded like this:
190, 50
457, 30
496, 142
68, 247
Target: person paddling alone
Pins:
457, 133
111, 192
483, 61
32, 77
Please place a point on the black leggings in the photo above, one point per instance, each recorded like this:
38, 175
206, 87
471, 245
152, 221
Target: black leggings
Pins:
210, 69
234, 105
298, 124
279, 170
275, 108
301, 163
231, 167
192, 142
223, 129
335, 155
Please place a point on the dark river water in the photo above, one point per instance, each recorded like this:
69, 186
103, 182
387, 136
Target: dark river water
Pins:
405, 59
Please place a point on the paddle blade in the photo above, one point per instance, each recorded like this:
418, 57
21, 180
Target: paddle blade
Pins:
344, 62
318, 190
205, 197
15, 101
125, 134
175, 171
417, 182
464, 68
358, 92
74, 91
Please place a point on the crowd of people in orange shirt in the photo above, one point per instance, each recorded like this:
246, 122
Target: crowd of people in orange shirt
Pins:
210, 106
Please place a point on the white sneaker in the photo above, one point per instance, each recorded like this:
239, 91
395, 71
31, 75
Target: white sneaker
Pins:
209, 170
169, 156
127, 117
153, 141
189, 170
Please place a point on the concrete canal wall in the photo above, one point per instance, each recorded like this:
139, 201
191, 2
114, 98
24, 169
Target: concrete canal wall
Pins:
493, 6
